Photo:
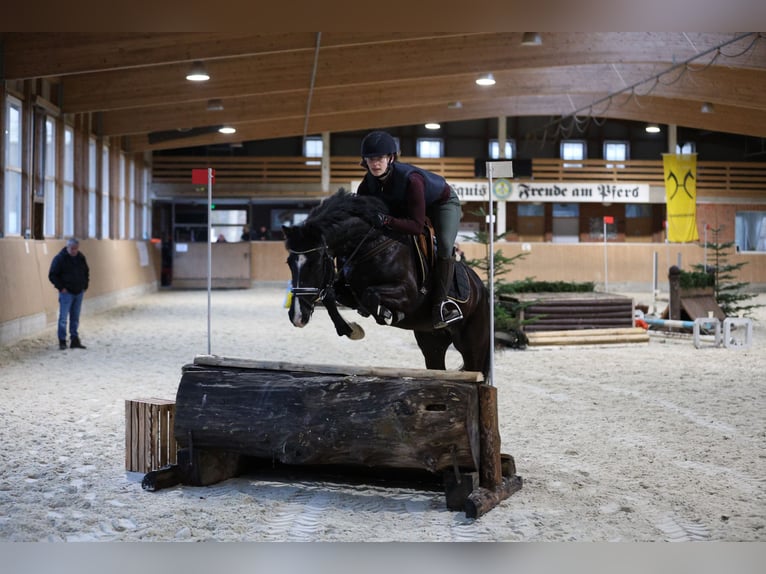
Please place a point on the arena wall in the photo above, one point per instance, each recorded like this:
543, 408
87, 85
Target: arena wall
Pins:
121, 270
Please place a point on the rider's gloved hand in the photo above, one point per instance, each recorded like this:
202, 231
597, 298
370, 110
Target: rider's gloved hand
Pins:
382, 220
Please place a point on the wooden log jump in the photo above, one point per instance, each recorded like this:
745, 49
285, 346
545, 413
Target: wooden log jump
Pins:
588, 337
572, 311
443, 423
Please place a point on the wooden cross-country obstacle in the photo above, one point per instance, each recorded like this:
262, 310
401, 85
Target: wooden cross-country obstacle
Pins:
442, 423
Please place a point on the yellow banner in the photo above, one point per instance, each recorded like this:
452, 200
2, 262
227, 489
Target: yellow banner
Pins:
681, 196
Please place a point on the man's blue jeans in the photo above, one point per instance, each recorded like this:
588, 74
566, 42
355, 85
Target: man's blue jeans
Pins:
69, 307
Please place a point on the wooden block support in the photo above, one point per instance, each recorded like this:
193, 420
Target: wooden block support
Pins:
149, 436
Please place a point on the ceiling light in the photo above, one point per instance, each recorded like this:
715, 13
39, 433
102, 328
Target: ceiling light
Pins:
486, 80
214, 105
227, 130
652, 129
197, 73
432, 126
531, 39
707, 108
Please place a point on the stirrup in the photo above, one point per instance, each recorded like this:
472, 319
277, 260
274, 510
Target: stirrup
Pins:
449, 312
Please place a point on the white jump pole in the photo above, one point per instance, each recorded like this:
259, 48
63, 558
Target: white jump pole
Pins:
494, 169
606, 262
209, 249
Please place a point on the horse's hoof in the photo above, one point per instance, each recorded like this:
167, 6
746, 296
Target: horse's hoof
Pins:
356, 332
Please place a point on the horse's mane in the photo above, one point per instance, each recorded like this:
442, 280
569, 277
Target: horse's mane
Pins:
345, 212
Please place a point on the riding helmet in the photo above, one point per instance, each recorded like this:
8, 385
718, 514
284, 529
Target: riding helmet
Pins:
378, 143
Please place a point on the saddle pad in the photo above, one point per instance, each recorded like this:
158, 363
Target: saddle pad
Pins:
460, 288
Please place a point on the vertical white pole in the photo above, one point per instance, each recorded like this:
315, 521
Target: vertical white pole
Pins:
209, 249
704, 256
606, 265
504, 169
491, 278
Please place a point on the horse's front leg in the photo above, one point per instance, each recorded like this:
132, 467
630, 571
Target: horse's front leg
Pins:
351, 330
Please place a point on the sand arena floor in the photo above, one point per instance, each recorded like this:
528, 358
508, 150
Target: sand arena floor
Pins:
631, 442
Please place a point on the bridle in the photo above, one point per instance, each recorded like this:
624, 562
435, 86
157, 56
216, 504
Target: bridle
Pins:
316, 293
319, 293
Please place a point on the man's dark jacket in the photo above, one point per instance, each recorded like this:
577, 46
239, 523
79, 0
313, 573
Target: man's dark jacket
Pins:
70, 273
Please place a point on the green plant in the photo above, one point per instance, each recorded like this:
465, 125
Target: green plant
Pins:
530, 285
727, 291
505, 320
696, 279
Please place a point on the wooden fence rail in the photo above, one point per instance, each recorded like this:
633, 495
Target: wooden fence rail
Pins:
713, 177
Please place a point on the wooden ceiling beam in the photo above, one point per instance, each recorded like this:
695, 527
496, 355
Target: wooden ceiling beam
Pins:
349, 66
587, 84
39, 55
648, 109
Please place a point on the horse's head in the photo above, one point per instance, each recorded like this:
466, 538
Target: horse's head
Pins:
311, 268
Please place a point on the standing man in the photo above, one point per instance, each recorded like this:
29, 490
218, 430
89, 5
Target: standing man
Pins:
70, 275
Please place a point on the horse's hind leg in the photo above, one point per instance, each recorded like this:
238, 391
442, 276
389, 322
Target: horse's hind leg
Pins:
434, 347
472, 342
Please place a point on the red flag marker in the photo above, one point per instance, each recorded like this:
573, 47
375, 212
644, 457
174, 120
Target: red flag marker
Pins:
199, 176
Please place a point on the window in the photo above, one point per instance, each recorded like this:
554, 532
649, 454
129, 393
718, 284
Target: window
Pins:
566, 223
121, 197
430, 147
131, 200
686, 148
68, 181
494, 149
531, 210
105, 208
92, 187
750, 231
13, 171
49, 178
617, 151
313, 147
227, 223
573, 150
638, 222
146, 214
637, 210
596, 227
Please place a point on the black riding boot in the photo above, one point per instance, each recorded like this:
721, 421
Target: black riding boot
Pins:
76, 344
444, 310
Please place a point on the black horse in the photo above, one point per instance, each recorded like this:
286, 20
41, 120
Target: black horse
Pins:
337, 255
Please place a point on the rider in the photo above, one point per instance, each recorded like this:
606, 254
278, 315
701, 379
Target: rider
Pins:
411, 193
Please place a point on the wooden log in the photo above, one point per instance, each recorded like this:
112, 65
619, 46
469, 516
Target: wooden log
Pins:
313, 418
384, 372
590, 340
571, 320
195, 467
584, 332
589, 309
482, 500
490, 467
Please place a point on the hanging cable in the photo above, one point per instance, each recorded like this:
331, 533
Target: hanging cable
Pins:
311, 86
682, 66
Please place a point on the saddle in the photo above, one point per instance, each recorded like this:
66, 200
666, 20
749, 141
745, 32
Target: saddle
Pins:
425, 247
